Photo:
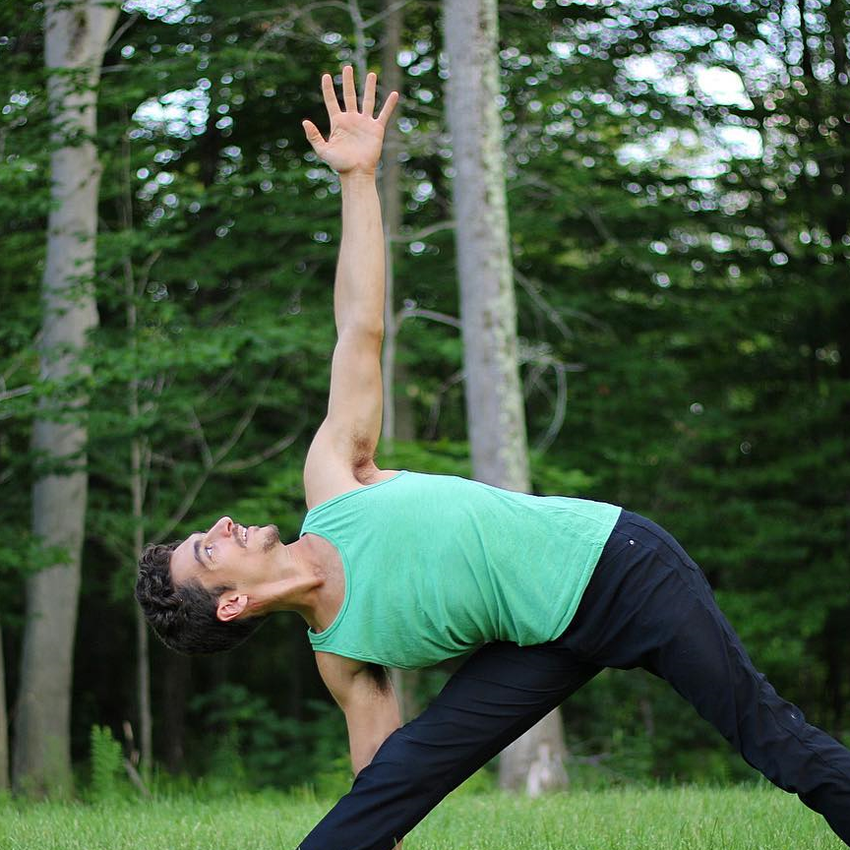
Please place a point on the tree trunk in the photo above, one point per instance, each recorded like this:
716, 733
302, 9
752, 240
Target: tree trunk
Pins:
75, 41
143, 680
392, 80
177, 677
137, 451
534, 763
494, 402
4, 723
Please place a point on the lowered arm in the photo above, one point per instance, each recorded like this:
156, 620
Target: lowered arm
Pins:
365, 695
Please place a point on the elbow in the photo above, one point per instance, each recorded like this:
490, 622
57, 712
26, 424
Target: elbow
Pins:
371, 330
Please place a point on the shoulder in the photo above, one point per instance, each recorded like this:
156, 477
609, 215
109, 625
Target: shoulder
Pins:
327, 474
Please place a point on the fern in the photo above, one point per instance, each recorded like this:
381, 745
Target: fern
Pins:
106, 764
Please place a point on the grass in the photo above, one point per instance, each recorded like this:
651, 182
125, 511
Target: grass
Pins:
687, 818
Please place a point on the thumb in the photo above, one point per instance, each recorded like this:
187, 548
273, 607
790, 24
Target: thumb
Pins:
314, 137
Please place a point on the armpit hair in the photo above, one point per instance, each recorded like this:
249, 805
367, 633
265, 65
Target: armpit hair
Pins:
362, 452
380, 676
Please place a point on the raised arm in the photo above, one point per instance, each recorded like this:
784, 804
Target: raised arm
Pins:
353, 150
347, 439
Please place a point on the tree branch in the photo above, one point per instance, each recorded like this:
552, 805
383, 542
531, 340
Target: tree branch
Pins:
434, 414
393, 7
559, 413
419, 313
300, 11
554, 315
18, 391
200, 439
256, 459
122, 29
215, 458
424, 233
134, 777
177, 517
144, 273
545, 307
22, 355
361, 57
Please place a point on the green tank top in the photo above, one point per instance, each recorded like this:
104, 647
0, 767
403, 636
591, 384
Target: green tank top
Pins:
436, 565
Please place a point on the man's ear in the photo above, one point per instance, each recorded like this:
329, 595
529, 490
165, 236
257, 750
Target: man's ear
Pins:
231, 605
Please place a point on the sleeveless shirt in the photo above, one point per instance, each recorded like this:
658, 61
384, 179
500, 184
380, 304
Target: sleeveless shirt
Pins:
436, 565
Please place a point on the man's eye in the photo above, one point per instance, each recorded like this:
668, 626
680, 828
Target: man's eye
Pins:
208, 551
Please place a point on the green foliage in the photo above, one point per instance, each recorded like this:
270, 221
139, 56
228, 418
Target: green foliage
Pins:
108, 781
256, 747
441, 457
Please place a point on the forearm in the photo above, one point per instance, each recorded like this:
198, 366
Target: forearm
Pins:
359, 285
369, 726
365, 738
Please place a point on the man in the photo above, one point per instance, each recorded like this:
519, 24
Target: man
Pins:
397, 568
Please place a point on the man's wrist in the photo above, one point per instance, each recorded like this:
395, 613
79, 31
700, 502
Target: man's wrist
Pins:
358, 175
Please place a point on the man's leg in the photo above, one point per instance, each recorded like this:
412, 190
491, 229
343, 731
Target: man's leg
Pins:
499, 693
653, 607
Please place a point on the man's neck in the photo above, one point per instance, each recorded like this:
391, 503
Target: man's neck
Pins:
325, 599
309, 580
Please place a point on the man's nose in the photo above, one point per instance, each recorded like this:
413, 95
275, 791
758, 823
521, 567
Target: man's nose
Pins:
223, 528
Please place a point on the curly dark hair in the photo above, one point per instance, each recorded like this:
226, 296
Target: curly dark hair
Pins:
184, 617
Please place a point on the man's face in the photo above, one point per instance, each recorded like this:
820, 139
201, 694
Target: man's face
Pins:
228, 555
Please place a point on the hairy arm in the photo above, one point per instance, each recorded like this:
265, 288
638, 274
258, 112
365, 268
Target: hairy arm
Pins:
349, 435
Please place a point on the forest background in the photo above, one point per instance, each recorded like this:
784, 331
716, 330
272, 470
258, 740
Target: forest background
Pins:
677, 186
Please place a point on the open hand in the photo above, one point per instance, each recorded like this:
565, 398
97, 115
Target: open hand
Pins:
356, 138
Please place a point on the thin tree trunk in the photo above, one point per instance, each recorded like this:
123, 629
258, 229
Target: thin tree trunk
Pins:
143, 676
392, 79
4, 724
75, 41
405, 419
177, 677
494, 402
136, 486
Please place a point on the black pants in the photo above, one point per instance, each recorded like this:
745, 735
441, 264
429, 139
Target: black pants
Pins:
648, 605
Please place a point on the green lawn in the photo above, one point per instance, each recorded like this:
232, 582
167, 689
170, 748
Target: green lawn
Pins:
738, 818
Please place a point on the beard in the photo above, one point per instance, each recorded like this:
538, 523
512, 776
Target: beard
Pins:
272, 538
